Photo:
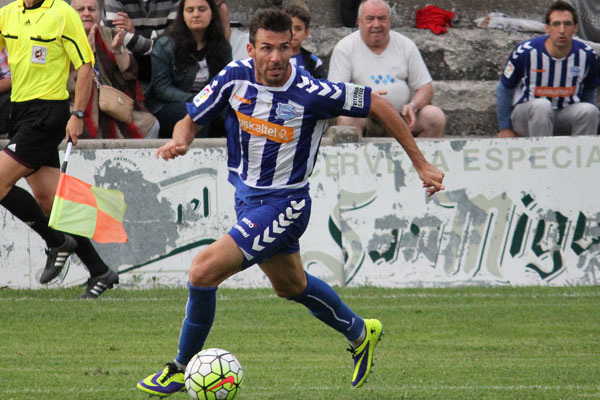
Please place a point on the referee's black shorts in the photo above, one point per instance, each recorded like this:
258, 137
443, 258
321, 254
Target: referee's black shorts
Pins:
36, 128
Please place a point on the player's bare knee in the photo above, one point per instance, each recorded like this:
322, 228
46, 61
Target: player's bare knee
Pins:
201, 273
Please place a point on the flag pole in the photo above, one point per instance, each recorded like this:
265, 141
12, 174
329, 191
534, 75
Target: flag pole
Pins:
63, 167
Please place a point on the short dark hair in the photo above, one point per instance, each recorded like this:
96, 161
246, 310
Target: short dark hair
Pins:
272, 19
299, 12
561, 6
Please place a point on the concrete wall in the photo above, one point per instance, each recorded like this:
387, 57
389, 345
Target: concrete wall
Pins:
514, 212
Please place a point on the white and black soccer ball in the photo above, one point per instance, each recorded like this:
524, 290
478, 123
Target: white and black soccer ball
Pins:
213, 374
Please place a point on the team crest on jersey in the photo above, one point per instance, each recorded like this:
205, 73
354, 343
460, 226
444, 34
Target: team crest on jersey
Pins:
286, 112
202, 96
508, 71
575, 70
39, 54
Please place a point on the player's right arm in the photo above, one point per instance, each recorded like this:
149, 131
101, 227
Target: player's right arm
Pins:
506, 87
183, 135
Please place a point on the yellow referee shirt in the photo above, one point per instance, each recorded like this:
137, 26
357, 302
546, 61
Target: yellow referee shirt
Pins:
41, 44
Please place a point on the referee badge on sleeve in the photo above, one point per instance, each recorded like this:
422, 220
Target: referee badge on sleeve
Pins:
38, 54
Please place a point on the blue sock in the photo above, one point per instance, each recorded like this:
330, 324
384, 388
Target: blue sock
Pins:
199, 316
325, 304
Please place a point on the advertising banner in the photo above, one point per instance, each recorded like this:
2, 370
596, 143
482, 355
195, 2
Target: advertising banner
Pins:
514, 212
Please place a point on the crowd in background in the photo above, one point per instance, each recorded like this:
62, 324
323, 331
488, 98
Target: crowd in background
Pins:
161, 53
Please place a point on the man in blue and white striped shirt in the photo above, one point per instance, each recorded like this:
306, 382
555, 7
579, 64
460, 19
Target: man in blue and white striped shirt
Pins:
549, 82
275, 118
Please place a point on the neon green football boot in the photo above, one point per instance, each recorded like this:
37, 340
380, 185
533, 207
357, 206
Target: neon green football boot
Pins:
163, 383
363, 355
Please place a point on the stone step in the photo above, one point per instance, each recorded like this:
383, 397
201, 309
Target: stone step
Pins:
327, 12
470, 107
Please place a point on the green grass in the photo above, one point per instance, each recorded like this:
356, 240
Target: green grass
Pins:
467, 343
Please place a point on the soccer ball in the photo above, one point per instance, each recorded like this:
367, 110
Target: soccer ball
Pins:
213, 374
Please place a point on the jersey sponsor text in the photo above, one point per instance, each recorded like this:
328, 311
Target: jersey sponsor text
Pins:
275, 132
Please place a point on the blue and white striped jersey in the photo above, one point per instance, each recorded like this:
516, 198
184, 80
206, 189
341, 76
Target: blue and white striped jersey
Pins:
538, 74
274, 133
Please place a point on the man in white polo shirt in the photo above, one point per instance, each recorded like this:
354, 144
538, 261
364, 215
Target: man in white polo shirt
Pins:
388, 62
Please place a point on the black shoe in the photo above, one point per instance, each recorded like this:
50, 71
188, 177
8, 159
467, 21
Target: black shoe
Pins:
274, 3
57, 258
97, 285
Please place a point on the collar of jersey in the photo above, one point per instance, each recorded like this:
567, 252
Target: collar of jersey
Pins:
45, 4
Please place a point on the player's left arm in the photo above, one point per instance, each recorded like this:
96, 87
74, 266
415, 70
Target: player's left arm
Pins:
385, 112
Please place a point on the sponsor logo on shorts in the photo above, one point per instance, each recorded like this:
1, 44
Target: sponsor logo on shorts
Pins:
242, 230
250, 224
546, 91
39, 54
258, 127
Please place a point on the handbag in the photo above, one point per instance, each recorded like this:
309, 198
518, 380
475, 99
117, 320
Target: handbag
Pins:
115, 103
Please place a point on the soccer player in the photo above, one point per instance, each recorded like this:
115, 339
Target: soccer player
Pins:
549, 83
43, 37
276, 114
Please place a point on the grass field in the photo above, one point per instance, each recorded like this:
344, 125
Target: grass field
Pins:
467, 343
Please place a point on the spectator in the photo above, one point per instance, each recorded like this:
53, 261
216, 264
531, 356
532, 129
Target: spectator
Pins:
388, 62
301, 31
114, 66
40, 120
549, 83
589, 22
192, 52
5, 84
143, 22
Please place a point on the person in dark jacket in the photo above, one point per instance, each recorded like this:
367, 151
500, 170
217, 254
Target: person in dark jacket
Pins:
184, 60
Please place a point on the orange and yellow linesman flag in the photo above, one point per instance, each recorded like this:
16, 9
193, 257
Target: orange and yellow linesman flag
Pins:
86, 210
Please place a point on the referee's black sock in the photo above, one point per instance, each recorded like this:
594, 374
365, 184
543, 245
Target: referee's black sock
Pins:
23, 206
89, 256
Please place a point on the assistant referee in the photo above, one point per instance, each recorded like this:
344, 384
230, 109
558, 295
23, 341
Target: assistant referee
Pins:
42, 38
